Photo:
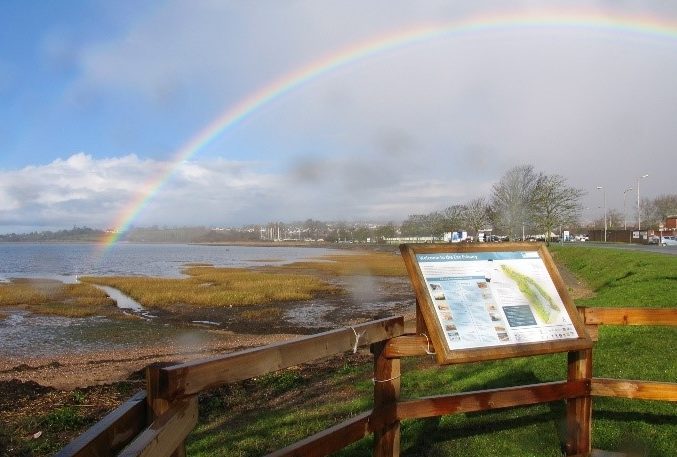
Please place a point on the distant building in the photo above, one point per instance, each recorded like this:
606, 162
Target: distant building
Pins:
671, 222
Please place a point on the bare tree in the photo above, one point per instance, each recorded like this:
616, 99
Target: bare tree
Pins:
614, 220
453, 217
476, 215
512, 200
418, 225
655, 211
555, 203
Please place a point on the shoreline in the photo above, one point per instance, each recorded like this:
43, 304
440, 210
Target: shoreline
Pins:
79, 370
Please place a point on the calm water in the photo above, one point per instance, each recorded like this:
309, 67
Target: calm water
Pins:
23, 333
66, 260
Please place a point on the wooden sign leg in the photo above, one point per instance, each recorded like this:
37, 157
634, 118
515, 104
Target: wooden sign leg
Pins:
579, 410
386, 395
420, 323
157, 406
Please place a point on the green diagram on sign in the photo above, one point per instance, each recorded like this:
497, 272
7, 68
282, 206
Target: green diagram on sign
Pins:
542, 303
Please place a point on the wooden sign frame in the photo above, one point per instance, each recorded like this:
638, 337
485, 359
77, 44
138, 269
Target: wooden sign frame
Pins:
435, 331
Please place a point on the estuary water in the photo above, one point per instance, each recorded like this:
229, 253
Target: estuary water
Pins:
65, 261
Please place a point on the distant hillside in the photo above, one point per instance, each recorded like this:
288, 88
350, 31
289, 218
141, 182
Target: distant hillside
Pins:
75, 234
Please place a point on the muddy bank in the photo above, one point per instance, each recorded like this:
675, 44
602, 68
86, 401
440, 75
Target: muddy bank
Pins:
69, 371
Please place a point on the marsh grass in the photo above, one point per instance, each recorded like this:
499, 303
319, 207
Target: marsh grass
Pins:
55, 298
368, 263
218, 287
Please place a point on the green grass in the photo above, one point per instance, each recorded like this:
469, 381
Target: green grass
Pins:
258, 416
622, 278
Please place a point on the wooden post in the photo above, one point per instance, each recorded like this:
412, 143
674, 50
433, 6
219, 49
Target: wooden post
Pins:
420, 323
156, 404
579, 409
386, 395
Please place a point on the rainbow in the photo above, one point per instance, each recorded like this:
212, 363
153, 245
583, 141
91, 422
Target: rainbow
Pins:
591, 20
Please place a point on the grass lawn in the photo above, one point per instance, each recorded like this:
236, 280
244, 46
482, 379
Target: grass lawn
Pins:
258, 416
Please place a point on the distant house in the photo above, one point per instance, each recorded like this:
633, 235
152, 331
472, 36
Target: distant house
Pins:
671, 223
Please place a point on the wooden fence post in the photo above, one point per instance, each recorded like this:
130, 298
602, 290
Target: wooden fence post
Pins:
579, 409
386, 395
157, 405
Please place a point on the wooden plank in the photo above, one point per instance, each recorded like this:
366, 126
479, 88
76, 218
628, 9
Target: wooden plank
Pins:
417, 345
490, 399
330, 440
193, 377
156, 405
579, 409
386, 394
410, 326
111, 433
643, 390
593, 332
166, 433
408, 346
631, 316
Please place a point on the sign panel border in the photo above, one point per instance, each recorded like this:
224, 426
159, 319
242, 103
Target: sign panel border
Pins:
426, 308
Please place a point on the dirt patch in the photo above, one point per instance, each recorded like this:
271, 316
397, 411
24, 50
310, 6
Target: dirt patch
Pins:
39, 420
577, 288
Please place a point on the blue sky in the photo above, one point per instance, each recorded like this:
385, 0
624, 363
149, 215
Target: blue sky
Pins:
97, 96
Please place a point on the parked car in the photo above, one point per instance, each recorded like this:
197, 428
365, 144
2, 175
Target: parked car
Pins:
669, 241
653, 240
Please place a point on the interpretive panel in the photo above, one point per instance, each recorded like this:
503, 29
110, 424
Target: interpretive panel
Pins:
491, 298
494, 298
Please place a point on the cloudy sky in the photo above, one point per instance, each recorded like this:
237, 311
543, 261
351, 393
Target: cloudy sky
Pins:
97, 97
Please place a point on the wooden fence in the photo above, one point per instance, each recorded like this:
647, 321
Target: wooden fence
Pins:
157, 421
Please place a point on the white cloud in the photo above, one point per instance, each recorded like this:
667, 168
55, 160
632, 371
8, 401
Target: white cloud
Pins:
87, 191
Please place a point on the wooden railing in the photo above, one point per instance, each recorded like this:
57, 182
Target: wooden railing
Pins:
157, 422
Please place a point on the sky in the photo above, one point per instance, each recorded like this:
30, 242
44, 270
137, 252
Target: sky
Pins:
98, 100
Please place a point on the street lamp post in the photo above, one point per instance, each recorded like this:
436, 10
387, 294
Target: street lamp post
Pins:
604, 193
625, 216
639, 215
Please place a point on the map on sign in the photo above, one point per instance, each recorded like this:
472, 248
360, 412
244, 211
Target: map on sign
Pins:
484, 299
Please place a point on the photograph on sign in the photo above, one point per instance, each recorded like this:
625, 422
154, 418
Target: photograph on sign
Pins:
484, 299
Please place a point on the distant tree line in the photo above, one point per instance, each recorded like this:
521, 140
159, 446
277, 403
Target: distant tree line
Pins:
74, 234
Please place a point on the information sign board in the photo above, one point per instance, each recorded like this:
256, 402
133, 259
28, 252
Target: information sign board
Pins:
482, 302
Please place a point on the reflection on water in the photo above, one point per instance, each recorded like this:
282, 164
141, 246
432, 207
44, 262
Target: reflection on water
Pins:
123, 301
66, 260
26, 334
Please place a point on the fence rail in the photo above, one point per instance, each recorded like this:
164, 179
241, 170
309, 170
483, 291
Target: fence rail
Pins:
156, 424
